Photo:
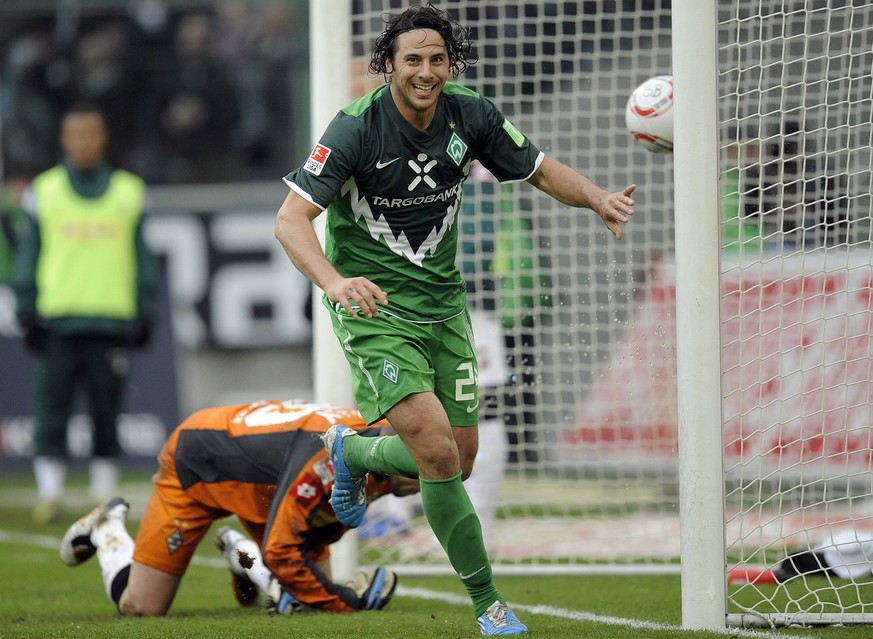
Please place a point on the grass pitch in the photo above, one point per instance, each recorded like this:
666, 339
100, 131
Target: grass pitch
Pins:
40, 597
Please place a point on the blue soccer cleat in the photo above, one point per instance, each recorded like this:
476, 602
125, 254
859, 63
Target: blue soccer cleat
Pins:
349, 494
499, 620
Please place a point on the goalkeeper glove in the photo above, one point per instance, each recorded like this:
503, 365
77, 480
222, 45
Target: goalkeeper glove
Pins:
280, 602
375, 587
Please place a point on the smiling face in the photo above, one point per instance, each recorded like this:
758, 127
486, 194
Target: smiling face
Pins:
418, 70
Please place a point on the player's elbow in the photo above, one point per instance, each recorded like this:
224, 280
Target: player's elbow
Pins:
280, 228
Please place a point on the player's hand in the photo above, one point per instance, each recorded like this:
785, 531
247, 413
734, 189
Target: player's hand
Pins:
356, 294
375, 587
616, 208
280, 602
140, 334
35, 335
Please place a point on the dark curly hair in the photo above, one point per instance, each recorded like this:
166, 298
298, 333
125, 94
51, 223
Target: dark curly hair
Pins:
457, 38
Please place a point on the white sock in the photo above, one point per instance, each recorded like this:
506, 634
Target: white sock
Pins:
114, 550
483, 485
238, 545
257, 573
50, 473
104, 478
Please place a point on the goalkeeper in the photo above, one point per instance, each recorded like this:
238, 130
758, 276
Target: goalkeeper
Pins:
264, 463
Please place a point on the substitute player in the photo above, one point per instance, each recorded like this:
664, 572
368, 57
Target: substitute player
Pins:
264, 463
389, 170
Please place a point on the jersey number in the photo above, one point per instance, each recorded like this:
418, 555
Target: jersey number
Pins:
469, 379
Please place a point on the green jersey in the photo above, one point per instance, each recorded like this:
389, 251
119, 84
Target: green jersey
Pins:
393, 193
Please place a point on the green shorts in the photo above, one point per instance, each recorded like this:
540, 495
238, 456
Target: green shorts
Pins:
392, 358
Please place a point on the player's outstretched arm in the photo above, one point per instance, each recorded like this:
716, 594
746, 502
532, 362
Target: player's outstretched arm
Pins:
570, 187
295, 233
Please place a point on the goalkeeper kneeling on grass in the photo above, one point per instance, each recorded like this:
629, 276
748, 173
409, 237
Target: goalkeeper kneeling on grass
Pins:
263, 462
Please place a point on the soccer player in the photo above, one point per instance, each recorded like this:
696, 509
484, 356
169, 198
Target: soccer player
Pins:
263, 462
389, 170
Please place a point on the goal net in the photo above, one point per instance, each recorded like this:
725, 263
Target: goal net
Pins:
795, 98
585, 407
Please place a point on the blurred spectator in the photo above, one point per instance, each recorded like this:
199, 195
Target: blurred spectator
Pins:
13, 222
86, 288
196, 111
104, 75
190, 95
151, 17
779, 194
255, 47
28, 102
740, 222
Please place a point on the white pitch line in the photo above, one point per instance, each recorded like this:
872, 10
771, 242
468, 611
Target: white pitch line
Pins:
43, 541
649, 625
39, 541
576, 615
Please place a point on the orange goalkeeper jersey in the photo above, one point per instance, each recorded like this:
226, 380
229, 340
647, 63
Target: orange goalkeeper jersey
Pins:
265, 463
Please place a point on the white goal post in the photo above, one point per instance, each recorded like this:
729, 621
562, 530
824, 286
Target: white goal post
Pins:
706, 380
698, 344
330, 58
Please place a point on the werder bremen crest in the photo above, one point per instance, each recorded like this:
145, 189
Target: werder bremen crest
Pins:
457, 149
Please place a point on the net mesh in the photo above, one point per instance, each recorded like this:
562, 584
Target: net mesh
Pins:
795, 111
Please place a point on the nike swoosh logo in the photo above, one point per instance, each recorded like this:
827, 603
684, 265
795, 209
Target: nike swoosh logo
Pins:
381, 165
472, 407
475, 572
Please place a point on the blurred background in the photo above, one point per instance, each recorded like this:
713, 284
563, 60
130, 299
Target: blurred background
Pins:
195, 92
209, 103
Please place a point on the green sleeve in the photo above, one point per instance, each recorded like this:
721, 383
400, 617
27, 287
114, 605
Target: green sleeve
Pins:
146, 278
24, 278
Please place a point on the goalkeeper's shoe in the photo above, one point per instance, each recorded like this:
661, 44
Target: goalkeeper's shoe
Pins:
244, 589
349, 494
77, 546
375, 587
280, 602
499, 620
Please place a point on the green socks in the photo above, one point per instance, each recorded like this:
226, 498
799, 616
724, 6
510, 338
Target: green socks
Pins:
447, 507
454, 522
386, 455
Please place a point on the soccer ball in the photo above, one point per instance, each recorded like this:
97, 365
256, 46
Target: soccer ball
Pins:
649, 114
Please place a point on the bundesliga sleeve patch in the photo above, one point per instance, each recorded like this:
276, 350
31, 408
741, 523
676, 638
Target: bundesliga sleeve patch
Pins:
514, 133
317, 159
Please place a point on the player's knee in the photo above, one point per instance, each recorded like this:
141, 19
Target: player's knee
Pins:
466, 456
439, 460
466, 468
130, 606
